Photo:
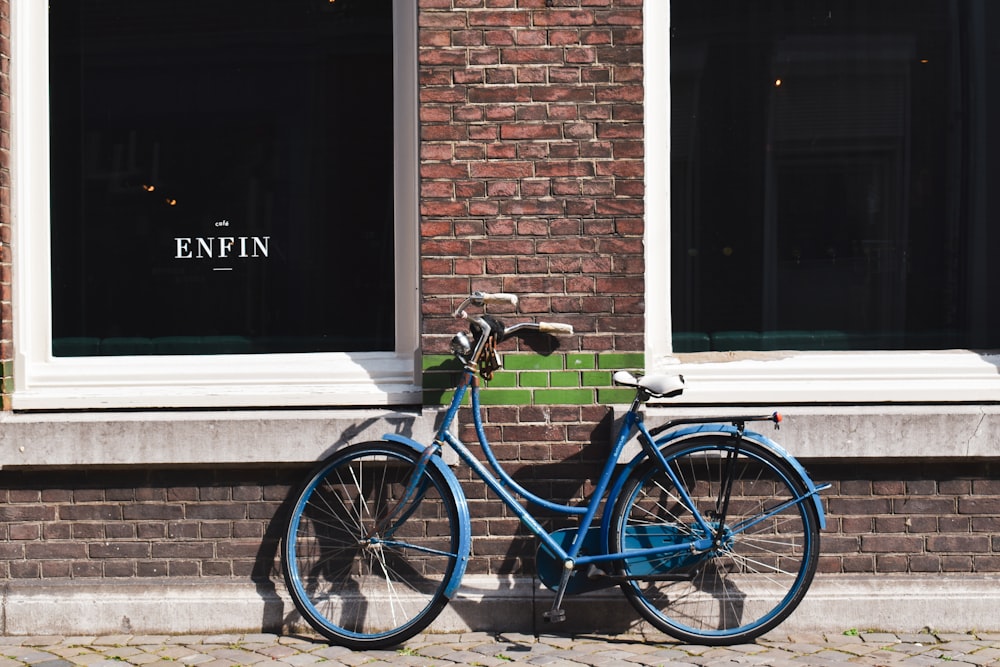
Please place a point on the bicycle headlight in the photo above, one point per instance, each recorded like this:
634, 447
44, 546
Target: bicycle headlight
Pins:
460, 345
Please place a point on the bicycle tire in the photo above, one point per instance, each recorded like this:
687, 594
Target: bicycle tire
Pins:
364, 569
745, 586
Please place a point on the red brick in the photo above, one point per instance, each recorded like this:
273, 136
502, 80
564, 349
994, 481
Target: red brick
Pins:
958, 543
891, 543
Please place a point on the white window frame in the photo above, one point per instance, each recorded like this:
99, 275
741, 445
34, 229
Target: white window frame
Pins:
773, 377
43, 382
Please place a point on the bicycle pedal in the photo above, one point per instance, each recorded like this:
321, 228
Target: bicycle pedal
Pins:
554, 616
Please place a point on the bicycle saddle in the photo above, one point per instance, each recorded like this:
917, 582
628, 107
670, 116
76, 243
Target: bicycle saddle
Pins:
657, 386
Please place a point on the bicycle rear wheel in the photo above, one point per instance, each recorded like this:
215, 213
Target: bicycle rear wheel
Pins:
371, 545
755, 575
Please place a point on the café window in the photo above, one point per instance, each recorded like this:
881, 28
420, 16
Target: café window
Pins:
222, 176
831, 177
228, 185
819, 190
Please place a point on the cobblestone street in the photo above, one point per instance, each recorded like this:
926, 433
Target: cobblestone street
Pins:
487, 650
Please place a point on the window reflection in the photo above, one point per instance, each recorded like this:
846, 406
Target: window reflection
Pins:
826, 160
222, 176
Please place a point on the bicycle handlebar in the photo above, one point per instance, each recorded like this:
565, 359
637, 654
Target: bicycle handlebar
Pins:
544, 327
555, 328
487, 298
482, 299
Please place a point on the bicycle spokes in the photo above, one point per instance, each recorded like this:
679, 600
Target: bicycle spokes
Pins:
763, 535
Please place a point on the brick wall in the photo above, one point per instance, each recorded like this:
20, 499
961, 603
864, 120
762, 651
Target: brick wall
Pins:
895, 517
882, 518
532, 183
137, 523
531, 163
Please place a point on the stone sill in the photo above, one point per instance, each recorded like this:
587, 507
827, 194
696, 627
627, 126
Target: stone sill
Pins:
955, 431
184, 438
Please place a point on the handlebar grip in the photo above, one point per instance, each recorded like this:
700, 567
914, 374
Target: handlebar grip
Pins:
555, 328
499, 297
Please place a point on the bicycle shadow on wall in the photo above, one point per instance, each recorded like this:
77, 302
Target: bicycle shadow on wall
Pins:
562, 481
267, 567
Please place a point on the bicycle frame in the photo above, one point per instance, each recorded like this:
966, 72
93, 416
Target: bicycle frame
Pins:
609, 483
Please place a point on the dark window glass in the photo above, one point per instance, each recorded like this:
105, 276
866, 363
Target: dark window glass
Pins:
222, 176
832, 174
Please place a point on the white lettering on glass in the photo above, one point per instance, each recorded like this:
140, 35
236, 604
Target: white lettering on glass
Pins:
210, 247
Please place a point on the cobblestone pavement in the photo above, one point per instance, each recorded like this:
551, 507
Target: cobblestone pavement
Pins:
487, 650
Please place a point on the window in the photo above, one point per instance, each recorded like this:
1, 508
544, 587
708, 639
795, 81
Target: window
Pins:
225, 214
828, 177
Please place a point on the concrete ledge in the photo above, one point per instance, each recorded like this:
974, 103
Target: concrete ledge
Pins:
184, 438
268, 436
865, 431
834, 603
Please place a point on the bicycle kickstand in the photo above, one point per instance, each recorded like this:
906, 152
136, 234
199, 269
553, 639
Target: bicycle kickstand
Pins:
557, 614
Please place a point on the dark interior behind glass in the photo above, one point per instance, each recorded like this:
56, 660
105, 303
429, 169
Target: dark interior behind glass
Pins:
222, 176
831, 174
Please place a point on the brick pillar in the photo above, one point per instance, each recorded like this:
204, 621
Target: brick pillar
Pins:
531, 182
531, 172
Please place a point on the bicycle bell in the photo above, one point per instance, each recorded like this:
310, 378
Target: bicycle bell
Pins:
460, 345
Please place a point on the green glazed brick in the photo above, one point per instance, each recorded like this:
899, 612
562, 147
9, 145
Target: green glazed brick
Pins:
564, 379
503, 380
439, 380
564, 397
505, 397
610, 396
438, 397
532, 362
580, 362
596, 378
529, 379
621, 360
440, 362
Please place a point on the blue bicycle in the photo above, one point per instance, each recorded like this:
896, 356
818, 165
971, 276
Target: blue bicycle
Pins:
711, 531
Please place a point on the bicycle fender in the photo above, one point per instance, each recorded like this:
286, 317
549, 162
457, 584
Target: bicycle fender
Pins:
728, 430
462, 506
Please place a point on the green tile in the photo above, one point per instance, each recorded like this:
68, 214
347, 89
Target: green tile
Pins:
437, 362
7, 373
564, 397
438, 397
440, 380
620, 360
609, 396
596, 378
530, 379
564, 379
532, 362
502, 380
505, 397
580, 362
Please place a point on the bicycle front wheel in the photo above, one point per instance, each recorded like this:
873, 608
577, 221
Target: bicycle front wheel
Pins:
762, 562
371, 545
